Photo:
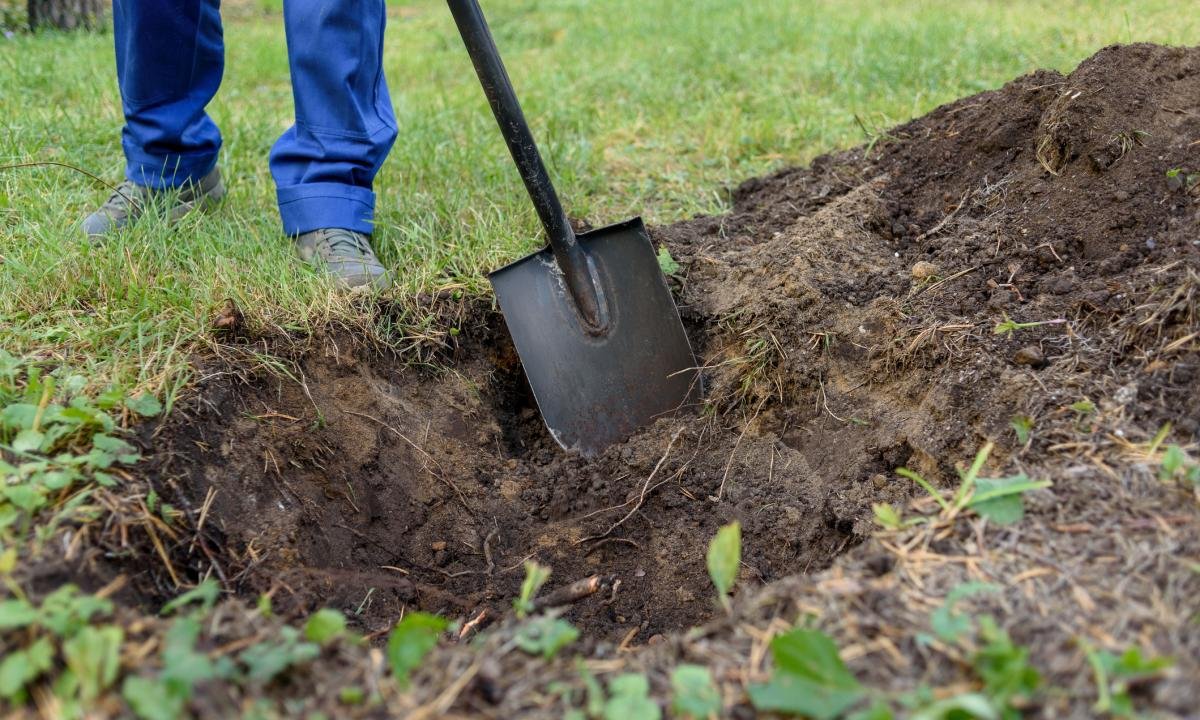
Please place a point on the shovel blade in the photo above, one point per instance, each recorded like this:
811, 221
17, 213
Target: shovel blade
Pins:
595, 389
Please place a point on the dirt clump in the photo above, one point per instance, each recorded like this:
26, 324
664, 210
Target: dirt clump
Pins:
1024, 258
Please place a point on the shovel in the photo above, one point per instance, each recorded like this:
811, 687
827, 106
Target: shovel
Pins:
591, 316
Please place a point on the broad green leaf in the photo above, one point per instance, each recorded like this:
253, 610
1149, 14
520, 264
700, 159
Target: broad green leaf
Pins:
16, 613
545, 636
18, 416
152, 699
182, 665
950, 625
65, 611
8, 514
324, 626
28, 497
205, 594
116, 447
724, 557
22, 666
28, 441
1174, 459
803, 696
809, 679
59, 479
813, 655
110, 398
695, 695
969, 706
666, 263
1004, 666
94, 656
267, 659
999, 499
629, 699
411, 639
145, 405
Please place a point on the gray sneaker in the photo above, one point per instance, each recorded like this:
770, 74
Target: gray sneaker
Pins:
130, 200
345, 255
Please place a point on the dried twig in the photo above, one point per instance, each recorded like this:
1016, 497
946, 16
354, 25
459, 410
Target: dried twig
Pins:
646, 489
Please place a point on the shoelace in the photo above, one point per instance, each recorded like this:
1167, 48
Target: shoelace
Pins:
124, 197
349, 241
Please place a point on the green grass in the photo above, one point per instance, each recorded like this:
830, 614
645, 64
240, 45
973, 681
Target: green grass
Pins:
642, 107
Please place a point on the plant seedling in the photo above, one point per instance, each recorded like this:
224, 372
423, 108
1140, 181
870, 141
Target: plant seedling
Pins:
1115, 674
695, 694
1022, 425
666, 263
724, 557
545, 636
535, 577
890, 519
411, 639
810, 678
1009, 326
998, 499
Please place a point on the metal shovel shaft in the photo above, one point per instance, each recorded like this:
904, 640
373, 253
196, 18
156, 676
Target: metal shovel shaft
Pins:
572, 260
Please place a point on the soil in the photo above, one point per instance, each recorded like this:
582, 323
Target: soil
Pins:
851, 318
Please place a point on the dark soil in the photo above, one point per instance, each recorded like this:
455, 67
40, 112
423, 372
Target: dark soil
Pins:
372, 488
847, 314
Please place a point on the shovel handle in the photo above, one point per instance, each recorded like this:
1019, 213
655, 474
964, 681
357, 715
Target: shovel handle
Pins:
572, 260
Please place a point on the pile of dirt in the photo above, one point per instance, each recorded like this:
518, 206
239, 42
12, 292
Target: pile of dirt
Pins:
1031, 252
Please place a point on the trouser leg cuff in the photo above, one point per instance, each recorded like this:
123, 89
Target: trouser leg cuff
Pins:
313, 206
171, 171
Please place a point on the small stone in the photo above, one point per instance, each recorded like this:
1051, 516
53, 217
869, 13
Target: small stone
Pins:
1121, 196
1030, 355
923, 270
438, 546
657, 639
879, 480
1062, 285
405, 590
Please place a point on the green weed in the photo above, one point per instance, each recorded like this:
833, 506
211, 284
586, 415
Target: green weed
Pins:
1022, 425
545, 636
411, 640
1116, 674
666, 263
998, 499
694, 693
810, 678
535, 577
723, 559
1008, 326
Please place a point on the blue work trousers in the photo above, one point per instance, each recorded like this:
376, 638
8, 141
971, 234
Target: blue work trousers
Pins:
170, 56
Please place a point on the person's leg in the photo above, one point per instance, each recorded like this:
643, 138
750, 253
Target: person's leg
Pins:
170, 57
325, 164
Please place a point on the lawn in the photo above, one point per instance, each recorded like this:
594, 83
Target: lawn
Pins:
650, 108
